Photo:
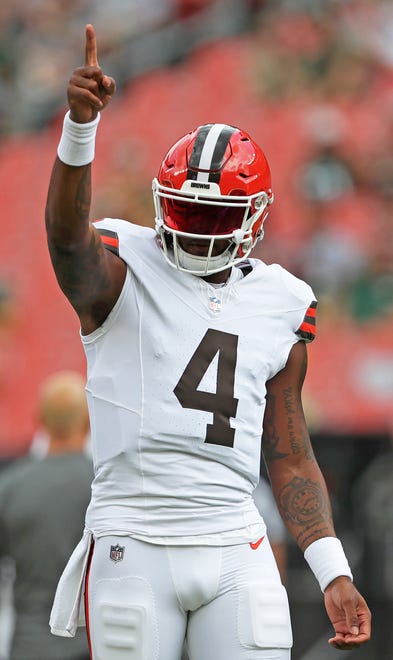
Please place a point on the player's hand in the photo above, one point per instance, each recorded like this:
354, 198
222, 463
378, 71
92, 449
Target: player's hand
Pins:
349, 614
89, 90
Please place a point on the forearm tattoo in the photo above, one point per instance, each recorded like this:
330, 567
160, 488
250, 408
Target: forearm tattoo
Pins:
299, 441
295, 428
271, 438
303, 504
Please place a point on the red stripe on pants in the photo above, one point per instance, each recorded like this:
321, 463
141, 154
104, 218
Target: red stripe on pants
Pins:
87, 598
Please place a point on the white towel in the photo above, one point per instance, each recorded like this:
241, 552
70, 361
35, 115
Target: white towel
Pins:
67, 614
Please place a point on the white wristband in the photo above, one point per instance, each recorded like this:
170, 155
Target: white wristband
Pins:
77, 142
327, 560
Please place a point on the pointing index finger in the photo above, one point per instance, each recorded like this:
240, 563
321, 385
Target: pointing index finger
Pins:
91, 47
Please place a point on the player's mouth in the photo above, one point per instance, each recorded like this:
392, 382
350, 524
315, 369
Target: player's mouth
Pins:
200, 247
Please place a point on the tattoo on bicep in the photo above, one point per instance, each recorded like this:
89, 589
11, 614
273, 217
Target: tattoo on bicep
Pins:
302, 502
270, 437
81, 275
297, 432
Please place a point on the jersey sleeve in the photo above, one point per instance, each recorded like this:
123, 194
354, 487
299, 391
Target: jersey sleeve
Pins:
123, 238
110, 239
301, 305
307, 329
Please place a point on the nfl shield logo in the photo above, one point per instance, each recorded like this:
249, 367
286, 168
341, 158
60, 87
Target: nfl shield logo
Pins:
116, 553
215, 304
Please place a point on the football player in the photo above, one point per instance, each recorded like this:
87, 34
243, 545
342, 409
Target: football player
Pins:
192, 349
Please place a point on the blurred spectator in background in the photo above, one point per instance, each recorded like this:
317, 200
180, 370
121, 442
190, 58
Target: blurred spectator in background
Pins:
327, 173
7, 317
372, 291
7, 577
373, 513
7, 311
37, 39
42, 508
331, 258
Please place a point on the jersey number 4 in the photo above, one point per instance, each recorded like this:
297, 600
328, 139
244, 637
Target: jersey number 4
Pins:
221, 403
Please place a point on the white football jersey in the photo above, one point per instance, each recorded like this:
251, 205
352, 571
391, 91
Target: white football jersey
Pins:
176, 384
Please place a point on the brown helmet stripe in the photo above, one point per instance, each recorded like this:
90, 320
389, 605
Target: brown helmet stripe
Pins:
193, 163
219, 153
207, 156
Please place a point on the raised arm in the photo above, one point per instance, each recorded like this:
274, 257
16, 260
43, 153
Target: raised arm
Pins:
90, 276
302, 498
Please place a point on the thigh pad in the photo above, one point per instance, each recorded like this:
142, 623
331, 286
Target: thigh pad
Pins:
123, 621
263, 615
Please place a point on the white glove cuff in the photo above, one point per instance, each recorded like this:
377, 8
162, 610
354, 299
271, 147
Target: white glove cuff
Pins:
77, 142
327, 560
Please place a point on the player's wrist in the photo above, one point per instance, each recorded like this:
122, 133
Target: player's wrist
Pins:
327, 560
77, 142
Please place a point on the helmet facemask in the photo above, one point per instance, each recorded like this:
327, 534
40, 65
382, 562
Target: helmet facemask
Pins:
207, 216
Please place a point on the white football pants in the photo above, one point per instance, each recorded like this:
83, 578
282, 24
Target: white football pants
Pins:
144, 600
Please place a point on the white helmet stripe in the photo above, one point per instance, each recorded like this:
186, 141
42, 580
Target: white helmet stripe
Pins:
208, 152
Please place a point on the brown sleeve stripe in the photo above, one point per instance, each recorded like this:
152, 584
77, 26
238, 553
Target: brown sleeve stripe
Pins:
307, 329
110, 239
311, 312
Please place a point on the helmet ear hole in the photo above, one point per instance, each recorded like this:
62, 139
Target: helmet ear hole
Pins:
260, 202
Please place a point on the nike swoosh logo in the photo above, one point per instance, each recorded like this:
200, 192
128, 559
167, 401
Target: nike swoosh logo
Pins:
256, 545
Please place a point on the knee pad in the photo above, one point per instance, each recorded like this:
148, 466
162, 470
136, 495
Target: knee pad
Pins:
123, 622
263, 615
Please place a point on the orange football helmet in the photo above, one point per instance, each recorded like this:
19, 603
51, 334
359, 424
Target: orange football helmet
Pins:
213, 184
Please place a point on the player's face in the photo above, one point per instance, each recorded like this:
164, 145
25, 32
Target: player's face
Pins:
200, 246
203, 220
